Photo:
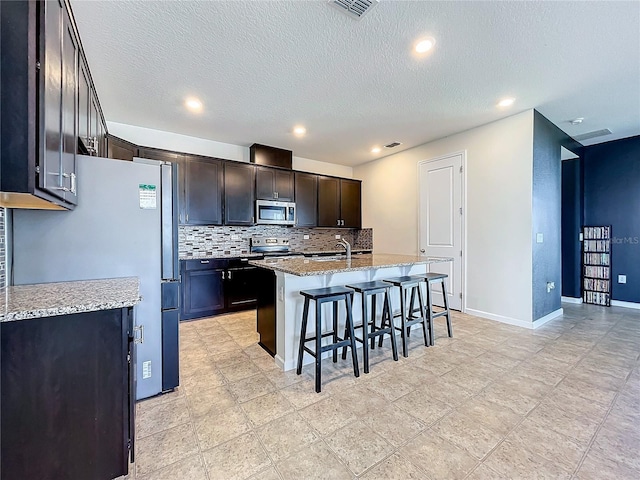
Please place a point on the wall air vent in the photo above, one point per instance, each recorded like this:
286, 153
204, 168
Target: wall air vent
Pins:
594, 134
354, 8
392, 145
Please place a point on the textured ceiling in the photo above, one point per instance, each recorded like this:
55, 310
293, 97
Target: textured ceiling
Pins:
260, 67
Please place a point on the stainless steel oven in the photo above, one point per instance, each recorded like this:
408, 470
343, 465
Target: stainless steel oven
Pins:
269, 212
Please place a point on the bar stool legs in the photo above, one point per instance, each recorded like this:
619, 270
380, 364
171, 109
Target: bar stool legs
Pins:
407, 315
321, 296
431, 278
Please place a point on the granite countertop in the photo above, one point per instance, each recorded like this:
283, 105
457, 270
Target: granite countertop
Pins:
304, 267
50, 299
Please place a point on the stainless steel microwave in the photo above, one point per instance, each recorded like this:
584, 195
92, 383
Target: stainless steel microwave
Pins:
269, 212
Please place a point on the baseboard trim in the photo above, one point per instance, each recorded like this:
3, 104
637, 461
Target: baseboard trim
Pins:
547, 318
620, 303
571, 299
499, 318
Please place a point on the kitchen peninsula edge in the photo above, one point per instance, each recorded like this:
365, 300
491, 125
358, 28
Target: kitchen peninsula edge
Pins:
280, 303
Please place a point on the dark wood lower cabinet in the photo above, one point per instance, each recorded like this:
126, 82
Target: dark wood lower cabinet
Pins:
266, 314
213, 286
67, 396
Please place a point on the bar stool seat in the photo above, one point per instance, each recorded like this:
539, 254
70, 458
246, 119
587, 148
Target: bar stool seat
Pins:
431, 277
407, 316
321, 296
369, 329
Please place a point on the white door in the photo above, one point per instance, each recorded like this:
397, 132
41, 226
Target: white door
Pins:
440, 223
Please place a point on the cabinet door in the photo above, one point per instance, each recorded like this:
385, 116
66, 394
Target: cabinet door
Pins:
239, 189
350, 203
51, 160
265, 184
328, 201
203, 191
69, 125
306, 195
203, 292
84, 107
121, 149
283, 185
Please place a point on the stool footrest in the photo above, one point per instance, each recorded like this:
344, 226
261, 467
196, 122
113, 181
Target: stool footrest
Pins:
439, 314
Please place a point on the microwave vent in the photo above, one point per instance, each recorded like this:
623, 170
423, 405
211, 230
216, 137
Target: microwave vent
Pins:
354, 8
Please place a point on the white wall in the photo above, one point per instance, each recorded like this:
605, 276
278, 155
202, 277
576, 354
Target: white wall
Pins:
148, 137
498, 211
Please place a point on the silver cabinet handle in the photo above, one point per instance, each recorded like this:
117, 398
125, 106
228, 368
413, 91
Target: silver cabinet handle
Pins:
187, 218
73, 183
338, 222
222, 274
229, 275
204, 261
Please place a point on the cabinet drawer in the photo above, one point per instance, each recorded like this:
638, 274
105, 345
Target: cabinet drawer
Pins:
204, 264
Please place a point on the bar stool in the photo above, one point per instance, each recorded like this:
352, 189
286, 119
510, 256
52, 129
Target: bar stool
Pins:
371, 290
432, 278
407, 318
321, 296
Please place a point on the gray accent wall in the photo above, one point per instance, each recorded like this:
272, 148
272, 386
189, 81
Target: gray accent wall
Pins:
546, 216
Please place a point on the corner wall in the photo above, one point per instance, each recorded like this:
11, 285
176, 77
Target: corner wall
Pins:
498, 211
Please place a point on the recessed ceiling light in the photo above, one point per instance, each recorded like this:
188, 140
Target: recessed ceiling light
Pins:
375, 150
506, 102
424, 45
193, 104
577, 121
299, 130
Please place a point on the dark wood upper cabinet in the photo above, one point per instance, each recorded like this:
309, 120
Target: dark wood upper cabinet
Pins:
328, 202
339, 202
239, 193
121, 149
47, 97
270, 156
350, 203
306, 194
203, 190
274, 184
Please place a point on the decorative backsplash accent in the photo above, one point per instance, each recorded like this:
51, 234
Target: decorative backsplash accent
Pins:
234, 241
3, 249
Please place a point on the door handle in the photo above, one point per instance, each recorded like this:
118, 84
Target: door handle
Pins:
136, 338
422, 250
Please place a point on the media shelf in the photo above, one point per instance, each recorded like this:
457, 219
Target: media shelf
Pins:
596, 265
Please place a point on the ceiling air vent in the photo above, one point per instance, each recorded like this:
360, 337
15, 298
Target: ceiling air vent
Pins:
354, 8
594, 134
392, 145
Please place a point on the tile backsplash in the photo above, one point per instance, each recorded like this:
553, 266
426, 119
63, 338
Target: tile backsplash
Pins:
214, 241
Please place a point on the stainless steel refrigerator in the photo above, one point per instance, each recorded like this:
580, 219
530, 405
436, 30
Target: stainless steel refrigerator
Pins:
125, 224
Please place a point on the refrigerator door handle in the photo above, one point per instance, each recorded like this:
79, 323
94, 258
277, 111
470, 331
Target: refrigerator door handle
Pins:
136, 338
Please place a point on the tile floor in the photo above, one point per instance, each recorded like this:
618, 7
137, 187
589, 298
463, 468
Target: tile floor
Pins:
494, 402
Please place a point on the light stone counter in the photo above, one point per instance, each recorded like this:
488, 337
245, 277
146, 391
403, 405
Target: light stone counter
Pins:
295, 274
62, 298
304, 267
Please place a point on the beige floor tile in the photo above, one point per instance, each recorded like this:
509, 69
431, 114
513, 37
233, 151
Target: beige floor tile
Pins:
468, 347
194, 385
571, 386
328, 415
269, 474
498, 418
283, 379
315, 462
358, 447
513, 461
154, 419
620, 447
576, 405
392, 424
161, 449
467, 378
474, 437
390, 386
240, 371
204, 367
501, 394
534, 372
394, 467
512, 351
191, 468
447, 392
286, 435
302, 394
251, 387
558, 420
210, 401
600, 380
425, 409
553, 446
482, 472
237, 459
498, 360
216, 428
158, 399
599, 467
440, 459
262, 410
527, 386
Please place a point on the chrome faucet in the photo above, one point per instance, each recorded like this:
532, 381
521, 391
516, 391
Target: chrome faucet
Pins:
346, 245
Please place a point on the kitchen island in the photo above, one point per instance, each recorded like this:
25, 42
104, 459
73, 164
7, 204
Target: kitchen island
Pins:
68, 384
280, 303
